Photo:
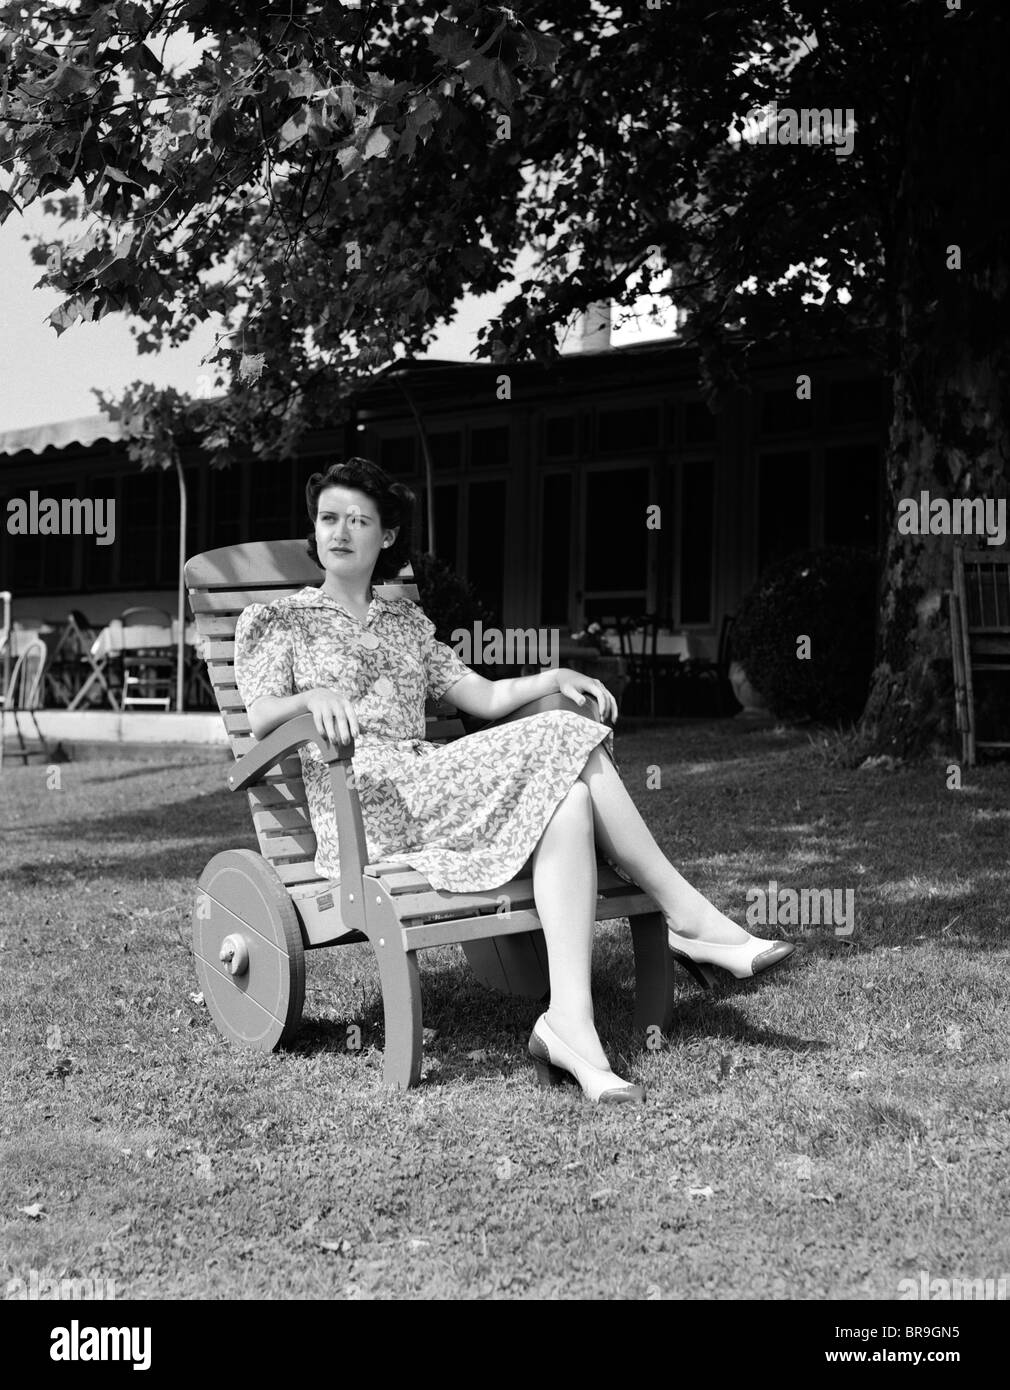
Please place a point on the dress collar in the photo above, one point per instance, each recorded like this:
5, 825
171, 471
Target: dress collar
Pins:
313, 596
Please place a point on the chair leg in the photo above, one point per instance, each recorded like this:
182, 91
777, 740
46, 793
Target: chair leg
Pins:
401, 1009
654, 975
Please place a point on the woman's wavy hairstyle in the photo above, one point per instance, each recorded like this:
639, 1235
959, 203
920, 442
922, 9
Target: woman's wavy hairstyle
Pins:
394, 501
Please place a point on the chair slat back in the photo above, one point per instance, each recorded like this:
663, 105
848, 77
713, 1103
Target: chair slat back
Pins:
982, 578
221, 584
25, 689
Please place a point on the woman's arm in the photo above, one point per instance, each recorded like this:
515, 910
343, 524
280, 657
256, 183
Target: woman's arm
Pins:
333, 712
493, 699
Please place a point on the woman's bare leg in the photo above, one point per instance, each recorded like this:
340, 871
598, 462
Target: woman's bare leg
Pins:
564, 889
625, 838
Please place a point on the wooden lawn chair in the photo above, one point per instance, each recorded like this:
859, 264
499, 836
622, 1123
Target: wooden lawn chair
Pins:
256, 914
980, 635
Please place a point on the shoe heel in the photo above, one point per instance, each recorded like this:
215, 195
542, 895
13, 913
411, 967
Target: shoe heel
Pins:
703, 974
548, 1074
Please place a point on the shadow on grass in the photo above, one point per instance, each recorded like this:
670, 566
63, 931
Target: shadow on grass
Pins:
483, 1035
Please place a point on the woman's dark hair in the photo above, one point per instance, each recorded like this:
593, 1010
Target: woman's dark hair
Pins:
394, 501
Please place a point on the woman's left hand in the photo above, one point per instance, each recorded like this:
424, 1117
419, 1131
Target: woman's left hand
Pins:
577, 686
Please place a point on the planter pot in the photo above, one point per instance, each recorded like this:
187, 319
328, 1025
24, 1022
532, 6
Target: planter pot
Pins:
751, 699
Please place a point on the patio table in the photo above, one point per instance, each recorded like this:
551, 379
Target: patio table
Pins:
115, 639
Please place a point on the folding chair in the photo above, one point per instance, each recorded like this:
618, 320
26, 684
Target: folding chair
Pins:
24, 696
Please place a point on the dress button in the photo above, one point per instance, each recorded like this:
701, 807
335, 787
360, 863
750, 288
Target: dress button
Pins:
368, 640
384, 687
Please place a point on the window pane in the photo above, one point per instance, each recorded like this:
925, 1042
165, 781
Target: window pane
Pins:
99, 560
271, 499
697, 499
446, 450
782, 413
700, 425
621, 430
615, 528
22, 552
485, 544
859, 402
138, 522
397, 455
489, 446
556, 550
783, 505
559, 437
225, 489
446, 512
853, 477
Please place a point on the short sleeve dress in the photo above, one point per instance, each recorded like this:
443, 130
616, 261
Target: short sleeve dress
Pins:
466, 814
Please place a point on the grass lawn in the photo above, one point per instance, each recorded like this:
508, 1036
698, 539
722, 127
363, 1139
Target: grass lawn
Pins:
824, 1133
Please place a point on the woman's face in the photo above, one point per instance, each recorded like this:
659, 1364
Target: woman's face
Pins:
349, 534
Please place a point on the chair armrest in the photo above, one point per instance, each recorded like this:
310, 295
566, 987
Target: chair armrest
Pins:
285, 739
590, 710
347, 808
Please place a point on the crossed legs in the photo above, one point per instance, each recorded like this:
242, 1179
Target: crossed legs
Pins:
597, 809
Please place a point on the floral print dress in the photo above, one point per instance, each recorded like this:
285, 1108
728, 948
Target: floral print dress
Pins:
466, 814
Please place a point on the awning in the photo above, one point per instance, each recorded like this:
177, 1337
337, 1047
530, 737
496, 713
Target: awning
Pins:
59, 435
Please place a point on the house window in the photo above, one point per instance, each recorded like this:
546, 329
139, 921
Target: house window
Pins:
783, 413
489, 446
139, 524
852, 481
619, 431
99, 560
700, 425
271, 499
485, 551
697, 511
783, 505
856, 401
560, 437
446, 522
398, 454
47, 562
446, 451
225, 487
556, 549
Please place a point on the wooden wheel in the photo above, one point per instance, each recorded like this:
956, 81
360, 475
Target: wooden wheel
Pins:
250, 957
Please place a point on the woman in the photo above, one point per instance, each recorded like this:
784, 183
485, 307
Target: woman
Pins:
469, 814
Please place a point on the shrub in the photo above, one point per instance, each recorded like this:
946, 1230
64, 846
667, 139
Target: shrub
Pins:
449, 601
830, 596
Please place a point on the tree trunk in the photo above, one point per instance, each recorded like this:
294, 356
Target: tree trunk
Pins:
951, 373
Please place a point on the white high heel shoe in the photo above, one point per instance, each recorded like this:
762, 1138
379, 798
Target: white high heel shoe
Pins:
555, 1062
744, 960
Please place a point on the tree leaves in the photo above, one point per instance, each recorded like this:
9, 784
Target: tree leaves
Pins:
378, 143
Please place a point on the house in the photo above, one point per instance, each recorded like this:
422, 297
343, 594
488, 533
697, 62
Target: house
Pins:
562, 491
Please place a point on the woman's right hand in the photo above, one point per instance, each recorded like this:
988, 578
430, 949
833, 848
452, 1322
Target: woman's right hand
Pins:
333, 714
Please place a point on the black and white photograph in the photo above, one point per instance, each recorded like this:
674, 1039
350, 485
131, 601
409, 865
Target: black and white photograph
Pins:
504, 668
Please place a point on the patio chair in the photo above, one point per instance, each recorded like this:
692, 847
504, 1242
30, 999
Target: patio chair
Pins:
979, 614
256, 914
149, 658
23, 695
715, 674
